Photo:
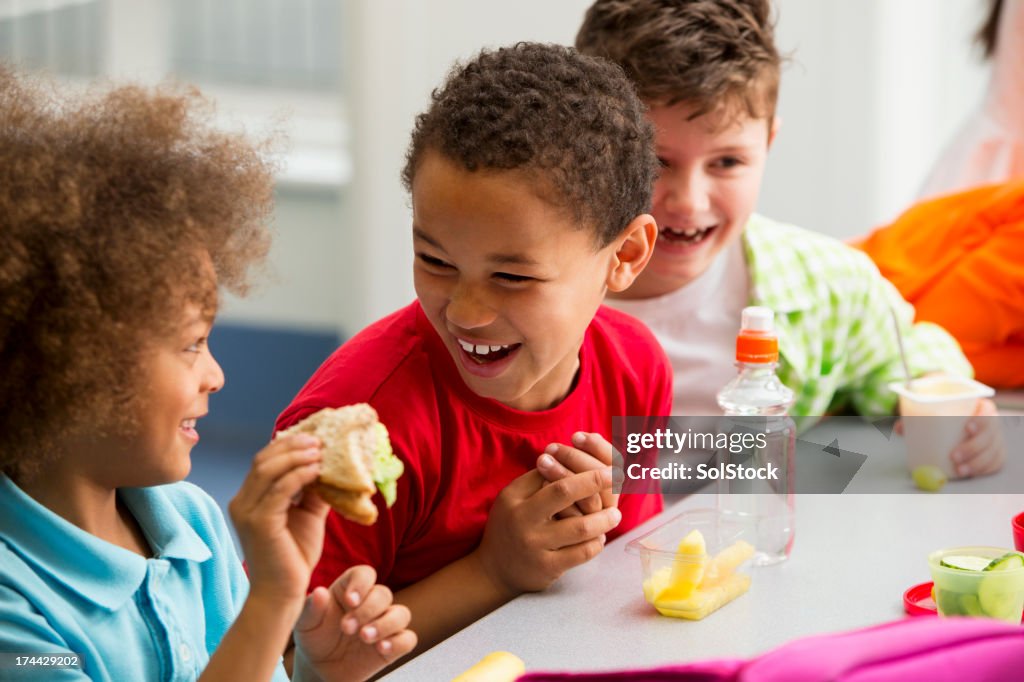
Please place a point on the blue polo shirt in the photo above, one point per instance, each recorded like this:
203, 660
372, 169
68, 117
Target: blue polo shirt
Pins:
63, 590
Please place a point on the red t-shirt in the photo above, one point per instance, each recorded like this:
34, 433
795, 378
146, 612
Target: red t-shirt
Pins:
460, 449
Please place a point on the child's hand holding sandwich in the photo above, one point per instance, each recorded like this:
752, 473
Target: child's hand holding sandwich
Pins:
353, 628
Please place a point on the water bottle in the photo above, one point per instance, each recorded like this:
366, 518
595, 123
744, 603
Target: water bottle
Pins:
755, 404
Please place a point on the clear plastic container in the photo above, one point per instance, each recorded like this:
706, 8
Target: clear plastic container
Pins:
994, 593
659, 558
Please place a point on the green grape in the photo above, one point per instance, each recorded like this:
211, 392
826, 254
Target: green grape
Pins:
928, 477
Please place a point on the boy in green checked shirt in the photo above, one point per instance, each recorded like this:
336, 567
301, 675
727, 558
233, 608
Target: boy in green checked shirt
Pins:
709, 71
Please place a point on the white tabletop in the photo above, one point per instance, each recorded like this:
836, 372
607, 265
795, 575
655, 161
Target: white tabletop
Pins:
853, 557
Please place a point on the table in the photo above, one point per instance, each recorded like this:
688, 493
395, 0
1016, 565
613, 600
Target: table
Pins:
881, 456
853, 557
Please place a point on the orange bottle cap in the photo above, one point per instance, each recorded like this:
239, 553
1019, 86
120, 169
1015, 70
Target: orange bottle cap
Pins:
757, 346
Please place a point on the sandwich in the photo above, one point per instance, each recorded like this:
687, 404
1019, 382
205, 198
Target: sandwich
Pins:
357, 460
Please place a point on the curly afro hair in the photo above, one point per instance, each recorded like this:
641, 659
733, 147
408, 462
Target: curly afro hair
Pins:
572, 123
113, 205
716, 55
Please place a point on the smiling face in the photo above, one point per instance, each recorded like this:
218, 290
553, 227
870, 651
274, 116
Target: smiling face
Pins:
705, 192
507, 280
180, 374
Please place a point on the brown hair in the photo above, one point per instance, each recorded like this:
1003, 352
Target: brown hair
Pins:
113, 205
711, 54
988, 33
571, 122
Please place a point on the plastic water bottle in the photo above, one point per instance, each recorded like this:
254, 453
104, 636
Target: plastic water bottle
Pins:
756, 402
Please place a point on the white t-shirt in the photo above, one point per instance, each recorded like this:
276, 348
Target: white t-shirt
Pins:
697, 326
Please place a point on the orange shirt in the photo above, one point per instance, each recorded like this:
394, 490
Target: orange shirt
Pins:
959, 259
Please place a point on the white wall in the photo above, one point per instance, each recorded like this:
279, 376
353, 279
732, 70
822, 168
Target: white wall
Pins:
400, 50
300, 287
873, 90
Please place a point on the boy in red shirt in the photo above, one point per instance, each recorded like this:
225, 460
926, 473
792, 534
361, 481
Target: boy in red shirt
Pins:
530, 176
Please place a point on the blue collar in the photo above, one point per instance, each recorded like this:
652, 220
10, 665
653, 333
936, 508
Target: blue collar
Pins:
100, 572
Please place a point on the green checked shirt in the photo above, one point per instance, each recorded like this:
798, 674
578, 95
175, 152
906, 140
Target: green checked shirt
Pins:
837, 341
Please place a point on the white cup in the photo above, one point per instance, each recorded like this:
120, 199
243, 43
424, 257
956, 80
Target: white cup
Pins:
949, 401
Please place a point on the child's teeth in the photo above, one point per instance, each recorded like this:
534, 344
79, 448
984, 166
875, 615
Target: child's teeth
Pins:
688, 236
479, 349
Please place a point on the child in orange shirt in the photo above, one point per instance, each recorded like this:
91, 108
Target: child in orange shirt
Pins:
959, 259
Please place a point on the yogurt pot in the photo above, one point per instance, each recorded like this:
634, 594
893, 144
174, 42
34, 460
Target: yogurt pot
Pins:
935, 410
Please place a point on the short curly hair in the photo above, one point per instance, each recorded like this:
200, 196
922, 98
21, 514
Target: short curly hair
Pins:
716, 55
113, 205
572, 123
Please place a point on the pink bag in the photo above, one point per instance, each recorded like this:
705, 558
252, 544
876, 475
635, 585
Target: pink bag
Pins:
933, 649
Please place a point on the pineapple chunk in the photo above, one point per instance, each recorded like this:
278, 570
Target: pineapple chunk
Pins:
704, 601
725, 562
688, 568
695, 587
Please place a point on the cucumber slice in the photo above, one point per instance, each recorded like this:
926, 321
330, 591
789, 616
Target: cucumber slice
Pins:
1001, 595
970, 605
948, 603
1007, 562
965, 563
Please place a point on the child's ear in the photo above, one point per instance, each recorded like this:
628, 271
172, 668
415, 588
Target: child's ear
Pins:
633, 250
773, 130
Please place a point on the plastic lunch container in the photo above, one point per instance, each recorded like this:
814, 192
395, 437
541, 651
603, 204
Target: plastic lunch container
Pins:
657, 548
993, 593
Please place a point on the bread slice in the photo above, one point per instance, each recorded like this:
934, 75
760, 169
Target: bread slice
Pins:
350, 437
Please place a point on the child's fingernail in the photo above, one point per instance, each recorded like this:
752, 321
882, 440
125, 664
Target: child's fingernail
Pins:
353, 598
603, 538
615, 515
305, 440
963, 470
349, 625
579, 437
546, 461
311, 453
385, 647
551, 449
606, 474
369, 633
972, 428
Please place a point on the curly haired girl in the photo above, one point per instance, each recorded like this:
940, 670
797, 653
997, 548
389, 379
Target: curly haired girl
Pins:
122, 214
